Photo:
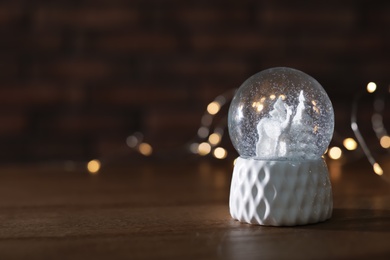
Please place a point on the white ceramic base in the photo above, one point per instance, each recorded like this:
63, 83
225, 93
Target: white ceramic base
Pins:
280, 193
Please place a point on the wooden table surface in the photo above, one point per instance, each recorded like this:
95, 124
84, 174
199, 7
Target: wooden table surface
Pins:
179, 210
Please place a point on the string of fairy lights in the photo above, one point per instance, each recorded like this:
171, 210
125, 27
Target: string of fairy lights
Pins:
207, 141
350, 144
377, 125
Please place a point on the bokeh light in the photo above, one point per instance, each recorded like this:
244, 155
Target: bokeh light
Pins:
145, 149
371, 87
335, 153
93, 166
213, 107
220, 153
377, 169
203, 132
350, 144
204, 149
385, 141
215, 138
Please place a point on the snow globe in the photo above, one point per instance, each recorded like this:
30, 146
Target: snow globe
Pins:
281, 122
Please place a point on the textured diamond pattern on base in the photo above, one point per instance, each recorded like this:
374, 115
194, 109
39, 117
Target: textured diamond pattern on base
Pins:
280, 193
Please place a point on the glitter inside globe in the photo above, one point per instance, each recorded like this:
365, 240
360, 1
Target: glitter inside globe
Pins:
281, 114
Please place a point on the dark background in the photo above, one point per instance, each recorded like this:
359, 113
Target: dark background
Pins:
77, 77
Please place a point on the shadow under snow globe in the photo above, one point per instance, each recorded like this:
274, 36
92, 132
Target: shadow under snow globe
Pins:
281, 122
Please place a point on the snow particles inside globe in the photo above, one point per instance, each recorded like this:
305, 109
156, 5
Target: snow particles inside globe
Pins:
281, 114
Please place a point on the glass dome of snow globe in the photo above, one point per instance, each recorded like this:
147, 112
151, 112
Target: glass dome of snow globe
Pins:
281, 114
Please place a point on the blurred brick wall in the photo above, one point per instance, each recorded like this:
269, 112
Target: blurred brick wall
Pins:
76, 77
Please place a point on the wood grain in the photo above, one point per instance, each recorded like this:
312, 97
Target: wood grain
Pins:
177, 211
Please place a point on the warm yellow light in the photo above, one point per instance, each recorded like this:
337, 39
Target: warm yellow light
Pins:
272, 97
215, 138
314, 103
371, 87
234, 162
258, 105
204, 148
335, 153
377, 169
262, 99
145, 149
213, 107
220, 153
350, 144
283, 97
385, 141
93, 166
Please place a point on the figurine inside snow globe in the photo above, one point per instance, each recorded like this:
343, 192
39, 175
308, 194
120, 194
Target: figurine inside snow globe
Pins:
281, 122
